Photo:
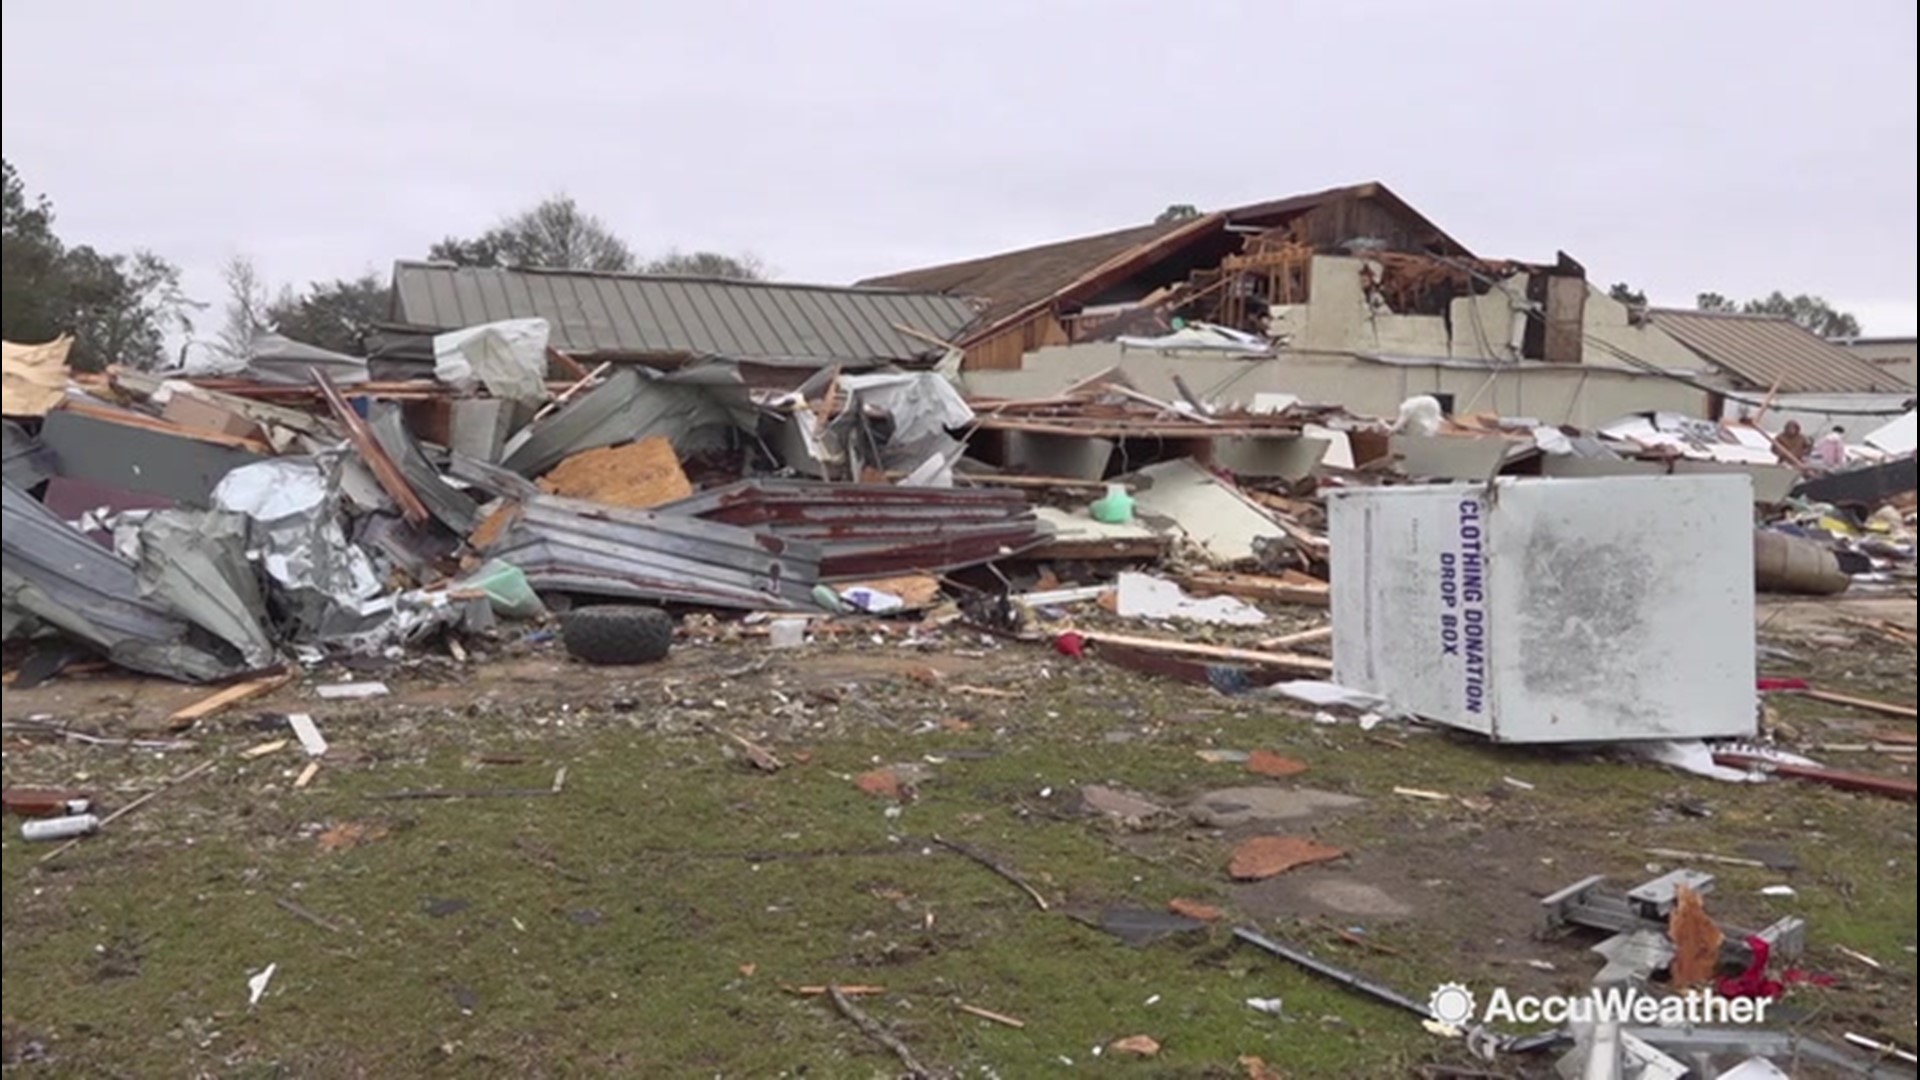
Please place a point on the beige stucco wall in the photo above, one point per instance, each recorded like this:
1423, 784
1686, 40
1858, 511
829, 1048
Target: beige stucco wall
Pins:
1558, 394
1607, 321
1338, 318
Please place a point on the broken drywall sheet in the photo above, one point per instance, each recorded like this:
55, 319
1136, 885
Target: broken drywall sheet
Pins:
1074, 456
35, 376
1285, 457
1894, 438
1143, 596
1218, 518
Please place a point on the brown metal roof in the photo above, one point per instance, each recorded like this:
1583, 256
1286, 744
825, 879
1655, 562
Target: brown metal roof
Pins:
1013, 281
1771, 352
633, 315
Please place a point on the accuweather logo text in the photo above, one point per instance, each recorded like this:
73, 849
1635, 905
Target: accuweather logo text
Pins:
1456, 1006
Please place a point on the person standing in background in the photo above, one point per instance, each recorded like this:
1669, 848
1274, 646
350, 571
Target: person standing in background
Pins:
1831, 451
1792, 444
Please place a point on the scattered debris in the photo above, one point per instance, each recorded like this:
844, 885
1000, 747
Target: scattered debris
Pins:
1194, 909
1269, 856
1270, 1006
165, 786
1143, 926
257, 984
355, 691
225, 698
1268, 763
987, 1014
1143, 1046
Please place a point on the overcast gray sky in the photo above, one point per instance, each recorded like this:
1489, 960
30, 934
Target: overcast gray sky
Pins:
1732, 145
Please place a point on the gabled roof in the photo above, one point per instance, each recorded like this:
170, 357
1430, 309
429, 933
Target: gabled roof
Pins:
631, 316
1772, 352
1011, 283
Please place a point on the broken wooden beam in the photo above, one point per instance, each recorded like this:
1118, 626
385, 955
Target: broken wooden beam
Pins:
391, 480
1295, 662
226, 698
1258, 587
1884, 708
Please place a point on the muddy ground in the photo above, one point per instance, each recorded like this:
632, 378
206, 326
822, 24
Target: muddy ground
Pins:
663, 910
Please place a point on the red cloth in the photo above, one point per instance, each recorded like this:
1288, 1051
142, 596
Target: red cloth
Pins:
1773, 685
1070, 644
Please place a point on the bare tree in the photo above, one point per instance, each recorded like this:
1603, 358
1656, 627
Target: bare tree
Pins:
555, 235
710, 264
247, 308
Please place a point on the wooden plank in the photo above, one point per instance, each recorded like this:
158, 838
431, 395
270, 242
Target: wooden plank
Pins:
1890, 786
1254, 587
575, 369
1304, 637
1311, 665
226, 698
1884, 708
392, 481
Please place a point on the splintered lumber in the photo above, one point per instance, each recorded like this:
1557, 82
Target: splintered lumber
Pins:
1294, 662
1256, 587
1304, 637
391, 479
1884, 708
226, 698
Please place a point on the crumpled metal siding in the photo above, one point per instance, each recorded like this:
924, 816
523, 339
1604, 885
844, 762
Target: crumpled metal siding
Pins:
59, 576
568, 545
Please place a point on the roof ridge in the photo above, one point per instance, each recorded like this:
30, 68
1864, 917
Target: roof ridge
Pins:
696, 279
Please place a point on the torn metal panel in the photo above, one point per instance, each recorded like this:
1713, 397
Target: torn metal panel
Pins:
299, 541
480, 426
177, 467
445, 502
923, 407
628, 406
195, 562
28, 461
414, 548
566, 545
491, 478
61, 578
272, 358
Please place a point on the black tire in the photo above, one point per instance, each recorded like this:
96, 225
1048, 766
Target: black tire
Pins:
617, 634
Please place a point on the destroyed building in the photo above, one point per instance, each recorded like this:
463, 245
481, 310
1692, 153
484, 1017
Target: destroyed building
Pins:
1351, 295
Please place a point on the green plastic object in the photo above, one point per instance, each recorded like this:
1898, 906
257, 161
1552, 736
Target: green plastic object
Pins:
1113, 508
507, 590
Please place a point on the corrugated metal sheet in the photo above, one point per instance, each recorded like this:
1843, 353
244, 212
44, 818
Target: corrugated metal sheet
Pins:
1769, 352
875, 530
566, 545
630, 315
